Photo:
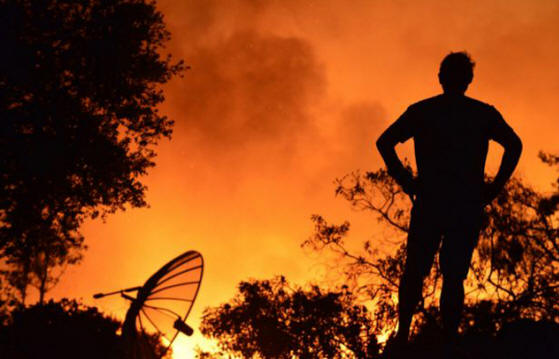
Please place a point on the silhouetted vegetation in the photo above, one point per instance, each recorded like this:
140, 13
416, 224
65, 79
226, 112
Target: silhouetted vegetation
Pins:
65, 329
514, 274
271, 319
8, 301
78, 95
515, 340
512, 290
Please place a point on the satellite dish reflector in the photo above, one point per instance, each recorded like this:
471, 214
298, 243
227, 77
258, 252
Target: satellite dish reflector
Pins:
162, 305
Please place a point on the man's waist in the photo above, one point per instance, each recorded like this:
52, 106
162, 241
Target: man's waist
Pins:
451, 181
449, 191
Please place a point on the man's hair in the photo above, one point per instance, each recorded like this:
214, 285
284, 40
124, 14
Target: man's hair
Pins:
456, 71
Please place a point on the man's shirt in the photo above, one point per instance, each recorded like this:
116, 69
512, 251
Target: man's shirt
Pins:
451, 135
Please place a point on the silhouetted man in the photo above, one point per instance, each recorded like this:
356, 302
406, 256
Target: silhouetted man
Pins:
451, 134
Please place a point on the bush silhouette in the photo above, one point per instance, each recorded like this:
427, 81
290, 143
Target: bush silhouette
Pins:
64, 329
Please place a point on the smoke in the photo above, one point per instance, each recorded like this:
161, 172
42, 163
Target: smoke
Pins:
360, 123
249, 89
256, 100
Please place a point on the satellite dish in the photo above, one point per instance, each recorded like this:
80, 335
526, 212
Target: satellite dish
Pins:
161, 305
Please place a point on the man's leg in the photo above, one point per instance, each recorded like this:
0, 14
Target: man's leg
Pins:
409, 296
452, 304
456, 253
423, 241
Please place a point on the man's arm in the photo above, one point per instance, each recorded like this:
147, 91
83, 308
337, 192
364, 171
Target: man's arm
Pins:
386, 145
506, 137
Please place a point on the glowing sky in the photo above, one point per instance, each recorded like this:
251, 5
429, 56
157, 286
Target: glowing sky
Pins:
285, 96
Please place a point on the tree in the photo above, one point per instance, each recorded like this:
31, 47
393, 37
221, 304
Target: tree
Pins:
79, 87
8, 301
270, 319
515, 270
65, 329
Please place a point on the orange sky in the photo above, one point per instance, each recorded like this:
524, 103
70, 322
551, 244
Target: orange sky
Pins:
283, 97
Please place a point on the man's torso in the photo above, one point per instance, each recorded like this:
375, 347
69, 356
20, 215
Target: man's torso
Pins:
451, 143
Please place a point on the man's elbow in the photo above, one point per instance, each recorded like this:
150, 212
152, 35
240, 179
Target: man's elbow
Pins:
516, 145
383, 144
379, 144
513, 147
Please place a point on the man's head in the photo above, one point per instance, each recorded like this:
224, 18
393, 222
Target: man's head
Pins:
456, 72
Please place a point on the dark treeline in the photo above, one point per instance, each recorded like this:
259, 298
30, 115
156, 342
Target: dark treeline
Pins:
79, 86
512, 304
78, 95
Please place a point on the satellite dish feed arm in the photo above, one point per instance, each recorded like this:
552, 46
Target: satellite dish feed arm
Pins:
127, 290
126, 296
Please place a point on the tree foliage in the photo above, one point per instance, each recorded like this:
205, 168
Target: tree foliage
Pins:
8, 301
514, 273
270, 319
79, 86
64, 329
513, 284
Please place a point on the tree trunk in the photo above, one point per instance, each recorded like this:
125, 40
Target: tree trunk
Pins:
44, 274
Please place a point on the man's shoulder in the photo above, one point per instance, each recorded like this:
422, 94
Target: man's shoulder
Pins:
425, 106
479, 104
434, 100
440, 100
